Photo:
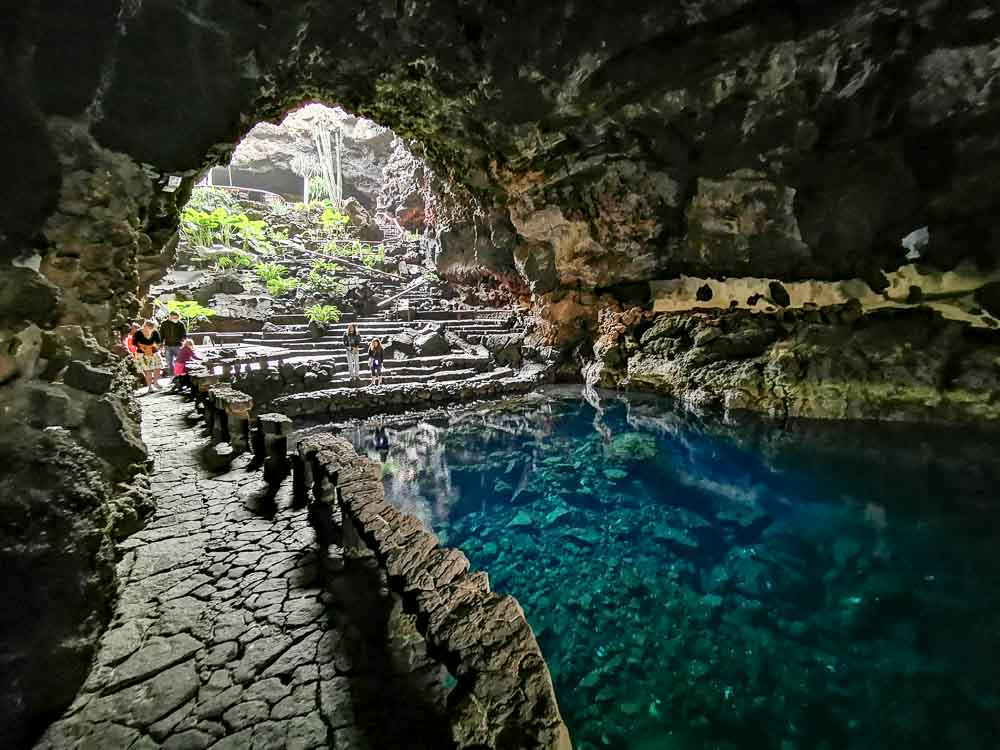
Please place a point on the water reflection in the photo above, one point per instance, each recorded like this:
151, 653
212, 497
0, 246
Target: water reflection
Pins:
701, 583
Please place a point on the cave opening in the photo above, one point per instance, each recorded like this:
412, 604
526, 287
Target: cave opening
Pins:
703, 202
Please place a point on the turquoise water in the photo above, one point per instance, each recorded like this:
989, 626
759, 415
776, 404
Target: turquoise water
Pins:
701, 584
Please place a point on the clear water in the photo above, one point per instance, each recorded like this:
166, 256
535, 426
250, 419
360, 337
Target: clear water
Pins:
701, 584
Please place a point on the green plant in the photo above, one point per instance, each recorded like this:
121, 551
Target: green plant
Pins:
318, 189
277, 287
268, 272
323, 314
323, 266
190, 312
233, 260
338, 248
321, 278
412, 237
199, 227
333, 219
208, 198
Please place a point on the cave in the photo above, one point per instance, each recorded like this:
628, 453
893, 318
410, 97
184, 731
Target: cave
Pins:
688, 375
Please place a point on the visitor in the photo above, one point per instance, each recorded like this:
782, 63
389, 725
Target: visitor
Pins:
147, 356
127, 341
352, 342
184, 356
173, 333
375, 356
382, 443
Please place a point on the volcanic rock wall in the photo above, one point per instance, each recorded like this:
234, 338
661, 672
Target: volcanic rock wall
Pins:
601, 145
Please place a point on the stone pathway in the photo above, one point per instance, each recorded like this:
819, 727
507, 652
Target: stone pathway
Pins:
230, 632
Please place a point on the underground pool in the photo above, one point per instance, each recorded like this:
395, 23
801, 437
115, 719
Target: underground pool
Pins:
697, 582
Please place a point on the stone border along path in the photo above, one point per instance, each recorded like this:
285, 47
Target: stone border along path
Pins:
230, 632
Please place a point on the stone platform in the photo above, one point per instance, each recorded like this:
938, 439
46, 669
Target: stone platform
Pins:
230, 631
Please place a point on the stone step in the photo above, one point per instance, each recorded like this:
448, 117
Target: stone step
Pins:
390, 377
339, 358
305, 341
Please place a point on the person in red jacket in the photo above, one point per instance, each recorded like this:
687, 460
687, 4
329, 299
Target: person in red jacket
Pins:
184, 356
127, 341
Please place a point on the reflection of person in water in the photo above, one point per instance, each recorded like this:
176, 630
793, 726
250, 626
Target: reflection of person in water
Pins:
592, 397
382, 443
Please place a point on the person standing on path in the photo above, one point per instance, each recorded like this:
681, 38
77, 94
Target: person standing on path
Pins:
183, 359
147, 354
173, 333
375, 355
352, 342
127, 342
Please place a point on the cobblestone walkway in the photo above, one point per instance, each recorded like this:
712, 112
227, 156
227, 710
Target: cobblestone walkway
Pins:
228, 633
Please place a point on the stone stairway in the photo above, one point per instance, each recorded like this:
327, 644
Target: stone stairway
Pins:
299, 336
449, 349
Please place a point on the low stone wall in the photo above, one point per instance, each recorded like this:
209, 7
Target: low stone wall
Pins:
345, 402
227, 416
266, 385
503, 698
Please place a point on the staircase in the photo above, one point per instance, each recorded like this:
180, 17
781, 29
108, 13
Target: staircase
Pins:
308, 364
296, 337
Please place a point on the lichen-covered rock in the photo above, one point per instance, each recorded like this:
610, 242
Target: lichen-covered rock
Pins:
892, 365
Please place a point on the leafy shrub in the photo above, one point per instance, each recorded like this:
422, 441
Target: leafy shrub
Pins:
233, 260
323, 266
209, 198
318, 189
334, 220
200, 227
268, 272
190, 312
323, 314
203, 228
279, 286
321, 278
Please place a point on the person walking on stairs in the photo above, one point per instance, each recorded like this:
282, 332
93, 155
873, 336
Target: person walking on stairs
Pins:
352, 342
147, 354
375, 355
173, 333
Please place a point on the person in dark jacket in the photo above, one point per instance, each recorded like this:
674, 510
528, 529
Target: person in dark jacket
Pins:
173, 333
352, 342
375, 356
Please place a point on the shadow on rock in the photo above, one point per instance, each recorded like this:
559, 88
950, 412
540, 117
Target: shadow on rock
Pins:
399, 696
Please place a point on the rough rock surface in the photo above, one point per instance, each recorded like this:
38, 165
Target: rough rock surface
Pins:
226, 632
593, 147
56, 572
891, 365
